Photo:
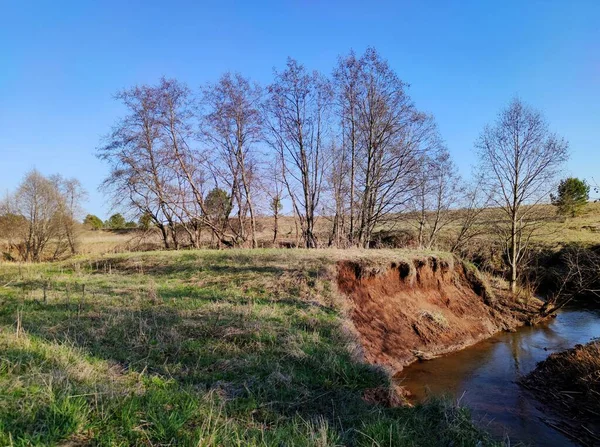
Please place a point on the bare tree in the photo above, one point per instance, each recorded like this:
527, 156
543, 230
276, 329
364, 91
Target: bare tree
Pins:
192, 174
13, 225
339, 185
233, 125
347, 86
39, 201
183, 165
438, 194
391, 135
139, 168
473, 203
521, 158
273, 188
297, 122
73, 195
575, 276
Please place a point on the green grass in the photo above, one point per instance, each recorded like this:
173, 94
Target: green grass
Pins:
196, 348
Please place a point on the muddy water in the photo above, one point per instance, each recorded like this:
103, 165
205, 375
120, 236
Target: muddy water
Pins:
483, 377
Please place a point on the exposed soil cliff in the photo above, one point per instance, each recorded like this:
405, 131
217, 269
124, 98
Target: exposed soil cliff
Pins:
422, 308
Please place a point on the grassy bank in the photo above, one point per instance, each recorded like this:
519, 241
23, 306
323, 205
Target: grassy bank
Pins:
569, 383
196, 348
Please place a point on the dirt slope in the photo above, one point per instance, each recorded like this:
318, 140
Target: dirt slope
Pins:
419, 309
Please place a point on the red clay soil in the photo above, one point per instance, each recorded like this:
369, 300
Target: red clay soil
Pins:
422, 309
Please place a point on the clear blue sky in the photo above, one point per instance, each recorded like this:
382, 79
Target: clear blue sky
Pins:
61, 63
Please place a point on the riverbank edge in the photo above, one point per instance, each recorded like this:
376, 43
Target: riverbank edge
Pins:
504, 312
568, 384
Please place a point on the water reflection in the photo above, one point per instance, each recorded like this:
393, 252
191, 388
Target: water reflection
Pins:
483, 376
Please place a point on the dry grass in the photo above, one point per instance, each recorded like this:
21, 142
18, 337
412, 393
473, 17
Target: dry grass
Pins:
435, 317
557, 231
583, 229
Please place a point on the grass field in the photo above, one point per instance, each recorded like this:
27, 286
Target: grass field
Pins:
558, 231
196, 348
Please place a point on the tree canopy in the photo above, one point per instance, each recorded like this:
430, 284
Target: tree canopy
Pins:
94, 222
116, 222
572, 196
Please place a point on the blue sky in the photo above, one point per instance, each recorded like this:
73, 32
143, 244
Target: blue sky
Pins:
62, 62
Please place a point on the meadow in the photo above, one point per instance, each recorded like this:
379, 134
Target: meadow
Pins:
556, 232
198, 348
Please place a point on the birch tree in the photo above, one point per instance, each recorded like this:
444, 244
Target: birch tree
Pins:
392, 135
38, 199
298, 124
520, 158
233, 126
438, 194
347, 87
139, 168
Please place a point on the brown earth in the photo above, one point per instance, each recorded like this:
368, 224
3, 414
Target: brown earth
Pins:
405, 311
568, 383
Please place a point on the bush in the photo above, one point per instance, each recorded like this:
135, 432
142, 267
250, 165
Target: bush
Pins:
93, 222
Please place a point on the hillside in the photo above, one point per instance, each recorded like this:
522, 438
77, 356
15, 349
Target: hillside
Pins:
583, 229
206, 348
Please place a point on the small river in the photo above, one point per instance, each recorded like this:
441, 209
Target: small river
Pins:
483, 376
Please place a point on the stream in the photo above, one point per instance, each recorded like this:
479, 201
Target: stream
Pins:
483, 377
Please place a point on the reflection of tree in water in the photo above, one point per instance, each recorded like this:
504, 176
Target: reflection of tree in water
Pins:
516, 347
522, 349
450, 374
531, 345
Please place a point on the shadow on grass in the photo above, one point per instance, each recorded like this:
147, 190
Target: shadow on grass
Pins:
270, 360
188, 264
266, 366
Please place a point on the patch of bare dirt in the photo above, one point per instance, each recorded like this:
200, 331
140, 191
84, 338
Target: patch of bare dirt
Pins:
391, 397
568, 383
424, 308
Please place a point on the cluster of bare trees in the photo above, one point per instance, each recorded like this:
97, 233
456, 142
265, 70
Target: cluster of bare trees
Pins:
574, 276
351, 148
158, 170
40, 219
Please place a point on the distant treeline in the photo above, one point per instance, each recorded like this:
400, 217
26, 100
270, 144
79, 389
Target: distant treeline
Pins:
114, 222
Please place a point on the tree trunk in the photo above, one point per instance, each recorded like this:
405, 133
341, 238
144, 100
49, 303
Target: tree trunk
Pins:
164, 234
513, 255
275, 226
